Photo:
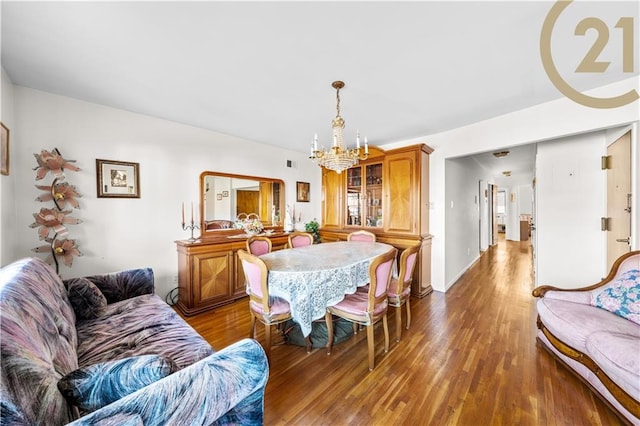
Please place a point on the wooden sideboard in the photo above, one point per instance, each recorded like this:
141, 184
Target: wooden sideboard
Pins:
400, 201
209, 272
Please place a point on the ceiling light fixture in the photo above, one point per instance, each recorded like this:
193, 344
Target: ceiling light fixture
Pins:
500, 154
507, 173
338, 157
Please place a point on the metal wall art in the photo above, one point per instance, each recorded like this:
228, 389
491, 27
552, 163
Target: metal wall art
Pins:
51, 222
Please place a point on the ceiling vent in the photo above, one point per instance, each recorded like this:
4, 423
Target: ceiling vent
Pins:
500, 154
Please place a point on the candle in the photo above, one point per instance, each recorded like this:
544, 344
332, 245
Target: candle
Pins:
335, 140
315, 142
192, 212
366, 146
183, 213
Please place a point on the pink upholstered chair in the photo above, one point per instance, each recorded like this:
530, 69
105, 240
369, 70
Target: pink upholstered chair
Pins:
268, 310
367, 308
300, 239
258, 246
362, 235
400, 287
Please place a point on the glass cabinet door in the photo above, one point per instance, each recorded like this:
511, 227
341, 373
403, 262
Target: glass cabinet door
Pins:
373, 195
364, 196
354, 196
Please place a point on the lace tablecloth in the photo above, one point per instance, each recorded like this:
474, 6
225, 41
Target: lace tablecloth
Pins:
313, 277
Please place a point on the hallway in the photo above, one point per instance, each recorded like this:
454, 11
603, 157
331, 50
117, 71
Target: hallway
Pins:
469, 358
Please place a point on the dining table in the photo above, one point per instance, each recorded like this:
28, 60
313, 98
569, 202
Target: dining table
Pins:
313, 277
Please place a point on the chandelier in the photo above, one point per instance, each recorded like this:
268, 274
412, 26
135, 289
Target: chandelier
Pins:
338, 157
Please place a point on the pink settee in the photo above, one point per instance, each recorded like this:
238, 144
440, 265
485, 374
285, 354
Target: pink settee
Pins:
595, 331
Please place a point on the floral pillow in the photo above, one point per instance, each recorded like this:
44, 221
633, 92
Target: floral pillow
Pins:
622, 296
94, 386
87, 300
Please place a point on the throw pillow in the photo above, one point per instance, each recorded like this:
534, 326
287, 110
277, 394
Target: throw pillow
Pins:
87, 300
622, 296
95, 386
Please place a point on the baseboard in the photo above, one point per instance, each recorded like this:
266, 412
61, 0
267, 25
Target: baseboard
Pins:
464, 271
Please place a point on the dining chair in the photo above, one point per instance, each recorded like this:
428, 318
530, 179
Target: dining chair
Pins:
362, 235
267, 309
300, 239
399, 290
258, 245
367, 308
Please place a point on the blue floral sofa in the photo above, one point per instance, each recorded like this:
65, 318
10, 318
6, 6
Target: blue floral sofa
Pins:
104, 350
595, 331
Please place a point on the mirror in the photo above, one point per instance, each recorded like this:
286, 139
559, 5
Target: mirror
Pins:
224, 197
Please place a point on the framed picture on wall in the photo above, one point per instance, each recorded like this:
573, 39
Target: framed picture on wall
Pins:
117, 179
302, 192
225, 193
4, 150
218, 196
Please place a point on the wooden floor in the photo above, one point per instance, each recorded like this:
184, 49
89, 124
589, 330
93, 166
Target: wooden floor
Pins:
469, 358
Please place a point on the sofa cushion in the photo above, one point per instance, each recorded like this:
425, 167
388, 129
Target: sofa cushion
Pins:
574, 322
37, 325
141, 325
95, 386
617, 355
621, 296
86, 299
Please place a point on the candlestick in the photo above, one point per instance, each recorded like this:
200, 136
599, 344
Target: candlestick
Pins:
192, 226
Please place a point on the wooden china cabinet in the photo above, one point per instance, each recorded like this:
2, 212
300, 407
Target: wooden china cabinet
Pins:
387, 194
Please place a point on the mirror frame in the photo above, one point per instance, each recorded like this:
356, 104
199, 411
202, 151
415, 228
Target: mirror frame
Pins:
204, 233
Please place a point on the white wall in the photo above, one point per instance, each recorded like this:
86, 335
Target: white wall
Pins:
525, 199
547, 121
462, 225
7, 183
129, 233
570, 200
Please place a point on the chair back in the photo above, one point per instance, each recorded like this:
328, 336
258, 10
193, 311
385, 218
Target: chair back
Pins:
300, 239
379, 278
258, 246
256, 274
362, 235
408, 262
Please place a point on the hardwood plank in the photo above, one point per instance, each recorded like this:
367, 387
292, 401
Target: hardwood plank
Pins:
469, 358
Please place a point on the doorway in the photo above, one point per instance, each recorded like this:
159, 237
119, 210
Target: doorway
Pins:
618, 198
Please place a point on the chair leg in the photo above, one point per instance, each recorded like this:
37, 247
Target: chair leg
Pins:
252, 333
329, 320
267, 335
385, 326
370, 344
398, 322
408, 313
307, 340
